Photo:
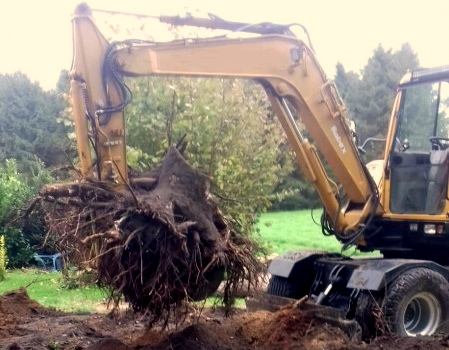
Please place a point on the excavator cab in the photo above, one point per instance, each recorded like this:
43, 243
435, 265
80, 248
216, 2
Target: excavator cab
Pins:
419, 157
409, 284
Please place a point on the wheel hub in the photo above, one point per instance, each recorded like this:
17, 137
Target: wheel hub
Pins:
422, 315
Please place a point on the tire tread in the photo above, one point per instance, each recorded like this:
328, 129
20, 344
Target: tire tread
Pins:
411, 280
281, 287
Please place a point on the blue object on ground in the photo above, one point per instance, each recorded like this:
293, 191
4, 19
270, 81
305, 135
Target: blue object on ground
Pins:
49, 262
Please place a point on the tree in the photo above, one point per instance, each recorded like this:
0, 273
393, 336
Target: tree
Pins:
230, 133
28, 126
294, 192
15, 190
2, 258
369, 96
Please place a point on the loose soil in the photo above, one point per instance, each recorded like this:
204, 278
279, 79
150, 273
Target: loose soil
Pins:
24, 324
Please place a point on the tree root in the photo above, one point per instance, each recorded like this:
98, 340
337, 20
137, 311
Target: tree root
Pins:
162, 245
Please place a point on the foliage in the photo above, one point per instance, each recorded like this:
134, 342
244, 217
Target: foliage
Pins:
229, 128
73, 278
369, 96
53, 345
28, 126
2, 258
294, 192
230, 134
19, 249
29, 134
15, 190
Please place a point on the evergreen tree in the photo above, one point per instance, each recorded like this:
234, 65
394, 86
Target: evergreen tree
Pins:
28, 126
369, 96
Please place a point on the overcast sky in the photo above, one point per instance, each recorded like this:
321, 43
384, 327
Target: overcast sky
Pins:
35, 35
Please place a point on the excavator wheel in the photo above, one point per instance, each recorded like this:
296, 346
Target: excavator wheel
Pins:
417, 303
281, 287
301, 274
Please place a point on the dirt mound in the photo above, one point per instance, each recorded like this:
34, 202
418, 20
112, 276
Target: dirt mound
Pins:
290, 329
285, 329
262, 330
196, 337
17, 308
17, 304
24, 324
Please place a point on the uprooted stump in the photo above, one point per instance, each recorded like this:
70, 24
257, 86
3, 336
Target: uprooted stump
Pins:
161, 241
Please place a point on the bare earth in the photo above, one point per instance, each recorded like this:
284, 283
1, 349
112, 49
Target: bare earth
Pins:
24, 324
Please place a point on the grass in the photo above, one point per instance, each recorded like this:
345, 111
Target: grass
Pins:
46, 288
279, 232
217, 301
293, 230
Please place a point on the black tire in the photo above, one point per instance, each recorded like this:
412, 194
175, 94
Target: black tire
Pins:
282, 287
298, 285
416, 302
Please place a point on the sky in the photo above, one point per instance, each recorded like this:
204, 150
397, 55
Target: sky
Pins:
35, 35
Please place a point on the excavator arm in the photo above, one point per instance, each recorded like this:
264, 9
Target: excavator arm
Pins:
286, 68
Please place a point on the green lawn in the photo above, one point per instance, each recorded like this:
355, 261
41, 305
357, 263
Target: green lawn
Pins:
293, 230
279, 232
45, 287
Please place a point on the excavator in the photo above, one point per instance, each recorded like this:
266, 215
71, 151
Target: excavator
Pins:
397, 205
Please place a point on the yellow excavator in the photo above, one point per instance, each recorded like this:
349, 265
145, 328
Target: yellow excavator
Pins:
397, 205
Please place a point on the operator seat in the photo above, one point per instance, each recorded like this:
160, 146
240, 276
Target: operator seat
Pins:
437, 177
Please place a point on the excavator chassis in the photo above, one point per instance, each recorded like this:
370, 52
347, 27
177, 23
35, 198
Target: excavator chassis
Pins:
345, 291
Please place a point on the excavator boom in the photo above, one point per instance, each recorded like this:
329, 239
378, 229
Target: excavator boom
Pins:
285, 66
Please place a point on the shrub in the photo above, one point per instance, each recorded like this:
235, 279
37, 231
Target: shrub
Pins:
2, 258
15, 190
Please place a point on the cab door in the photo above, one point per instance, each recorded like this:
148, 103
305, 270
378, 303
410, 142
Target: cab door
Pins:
419, 157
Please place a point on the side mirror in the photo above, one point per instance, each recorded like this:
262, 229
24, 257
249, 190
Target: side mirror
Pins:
369, 140
405, 145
